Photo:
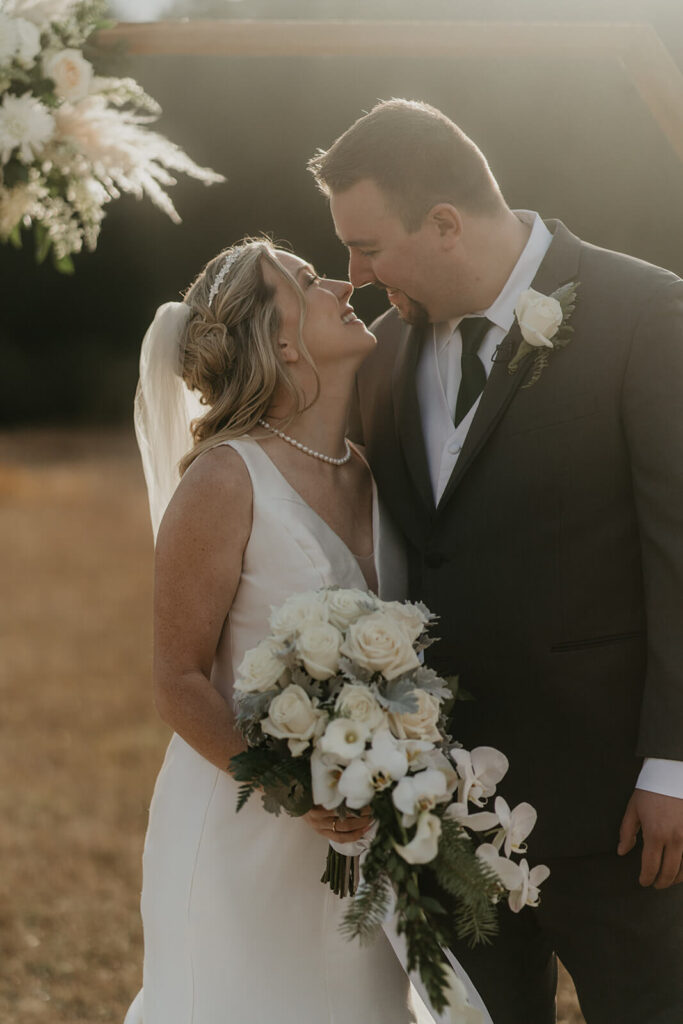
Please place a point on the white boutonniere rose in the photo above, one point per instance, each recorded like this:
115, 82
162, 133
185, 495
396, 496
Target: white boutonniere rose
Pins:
293, 716
539, 317
377, 642
544, 325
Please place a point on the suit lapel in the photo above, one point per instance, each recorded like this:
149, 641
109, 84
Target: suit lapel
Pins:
408, 420
559, 266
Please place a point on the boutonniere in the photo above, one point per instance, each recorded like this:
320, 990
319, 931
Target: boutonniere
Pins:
544, 323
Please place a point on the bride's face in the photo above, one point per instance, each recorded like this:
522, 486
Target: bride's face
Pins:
331, 332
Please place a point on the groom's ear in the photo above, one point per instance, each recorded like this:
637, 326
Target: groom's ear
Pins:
447, 222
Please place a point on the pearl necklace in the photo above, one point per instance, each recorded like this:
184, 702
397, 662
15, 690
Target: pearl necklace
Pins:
308, 451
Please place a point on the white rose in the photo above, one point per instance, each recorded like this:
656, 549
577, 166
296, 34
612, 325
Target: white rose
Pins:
71, 73
377, 642
298, 611
358, 703
259, 669
409, 616
294, 717
28, 42
424, 846
345, 606
318, 647
420, 724
539, 317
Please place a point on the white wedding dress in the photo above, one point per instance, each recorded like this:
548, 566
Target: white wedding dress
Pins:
238, 928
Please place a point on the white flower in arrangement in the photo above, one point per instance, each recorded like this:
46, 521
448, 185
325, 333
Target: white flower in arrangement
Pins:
386, 760
480, 771
318, 646
421, 724
9, 38
26, 125
481, 821
345, 606
539, 318
28, 42
424, 845
437, 759
41, 12
516, 825
16, 203
359, 703
293, 716
71, 73
521, 883
410, 616
356, 784
325, 776
378, 643
417, 793
260, 669
297, 611
415, 751
344, 739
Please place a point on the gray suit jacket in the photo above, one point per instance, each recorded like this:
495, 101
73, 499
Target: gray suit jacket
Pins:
555, 556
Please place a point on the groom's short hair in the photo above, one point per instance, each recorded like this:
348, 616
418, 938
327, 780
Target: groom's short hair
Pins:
416, 155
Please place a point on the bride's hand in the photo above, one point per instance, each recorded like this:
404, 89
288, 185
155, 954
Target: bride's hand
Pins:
339, 830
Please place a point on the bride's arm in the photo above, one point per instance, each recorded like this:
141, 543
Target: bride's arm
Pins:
198, 563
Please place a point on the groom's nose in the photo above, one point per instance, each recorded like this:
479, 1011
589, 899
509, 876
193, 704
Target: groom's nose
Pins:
360, 270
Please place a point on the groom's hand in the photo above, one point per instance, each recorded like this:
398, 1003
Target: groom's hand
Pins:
661, 820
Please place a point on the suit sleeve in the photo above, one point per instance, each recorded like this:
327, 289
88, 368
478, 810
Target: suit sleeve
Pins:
652, 410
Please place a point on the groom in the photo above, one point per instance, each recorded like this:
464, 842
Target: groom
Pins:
539, 491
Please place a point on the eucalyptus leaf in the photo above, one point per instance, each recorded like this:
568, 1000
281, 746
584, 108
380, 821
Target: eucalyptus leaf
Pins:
399, 697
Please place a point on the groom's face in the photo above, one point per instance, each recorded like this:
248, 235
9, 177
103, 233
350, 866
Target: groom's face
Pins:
382, 251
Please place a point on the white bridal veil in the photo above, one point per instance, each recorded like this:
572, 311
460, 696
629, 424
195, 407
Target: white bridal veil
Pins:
164, 407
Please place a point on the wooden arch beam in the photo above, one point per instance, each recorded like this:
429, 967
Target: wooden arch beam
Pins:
637, 47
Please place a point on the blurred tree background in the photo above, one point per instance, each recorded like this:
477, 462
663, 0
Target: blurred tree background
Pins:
571, 138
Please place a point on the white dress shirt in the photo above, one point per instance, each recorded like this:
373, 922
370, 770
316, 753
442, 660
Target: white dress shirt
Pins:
438, 381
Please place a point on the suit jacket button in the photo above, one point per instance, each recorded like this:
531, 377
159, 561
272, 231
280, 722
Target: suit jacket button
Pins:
434, 559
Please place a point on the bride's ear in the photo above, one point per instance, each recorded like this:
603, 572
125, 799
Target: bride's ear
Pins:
289, 353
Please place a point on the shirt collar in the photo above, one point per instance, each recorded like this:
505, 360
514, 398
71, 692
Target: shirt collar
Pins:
501, 312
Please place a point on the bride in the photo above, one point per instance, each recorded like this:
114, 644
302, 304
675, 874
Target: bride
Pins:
271, 499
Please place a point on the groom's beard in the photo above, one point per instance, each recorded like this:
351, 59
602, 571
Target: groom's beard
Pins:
409, 310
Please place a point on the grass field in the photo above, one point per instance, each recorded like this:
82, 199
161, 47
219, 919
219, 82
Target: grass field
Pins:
79, 741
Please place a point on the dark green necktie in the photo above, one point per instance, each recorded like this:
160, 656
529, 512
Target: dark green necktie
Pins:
473, 378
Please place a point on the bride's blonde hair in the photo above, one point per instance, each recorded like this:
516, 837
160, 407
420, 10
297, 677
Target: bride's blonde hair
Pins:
229, 351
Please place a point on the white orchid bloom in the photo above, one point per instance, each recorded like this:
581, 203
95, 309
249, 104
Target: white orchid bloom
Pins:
424, 846
460, 1010
479, 822
325, 776
521, 883
515, 826
480, 771
386, 760
415, 794
356, 785
344, 739
415, 751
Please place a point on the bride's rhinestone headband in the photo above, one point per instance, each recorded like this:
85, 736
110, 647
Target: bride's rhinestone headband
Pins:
220, 276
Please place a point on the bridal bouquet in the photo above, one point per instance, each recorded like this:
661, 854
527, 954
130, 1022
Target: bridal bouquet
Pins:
338, 711
70, 140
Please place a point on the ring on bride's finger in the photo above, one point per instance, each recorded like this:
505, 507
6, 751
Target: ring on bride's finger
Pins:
334, 825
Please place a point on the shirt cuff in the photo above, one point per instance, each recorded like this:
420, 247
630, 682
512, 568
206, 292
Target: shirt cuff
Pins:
661, 776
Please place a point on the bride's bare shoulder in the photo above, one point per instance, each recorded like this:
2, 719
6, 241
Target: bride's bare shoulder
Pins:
213, 496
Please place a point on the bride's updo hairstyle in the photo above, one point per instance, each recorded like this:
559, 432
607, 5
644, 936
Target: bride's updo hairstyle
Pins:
229, 352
